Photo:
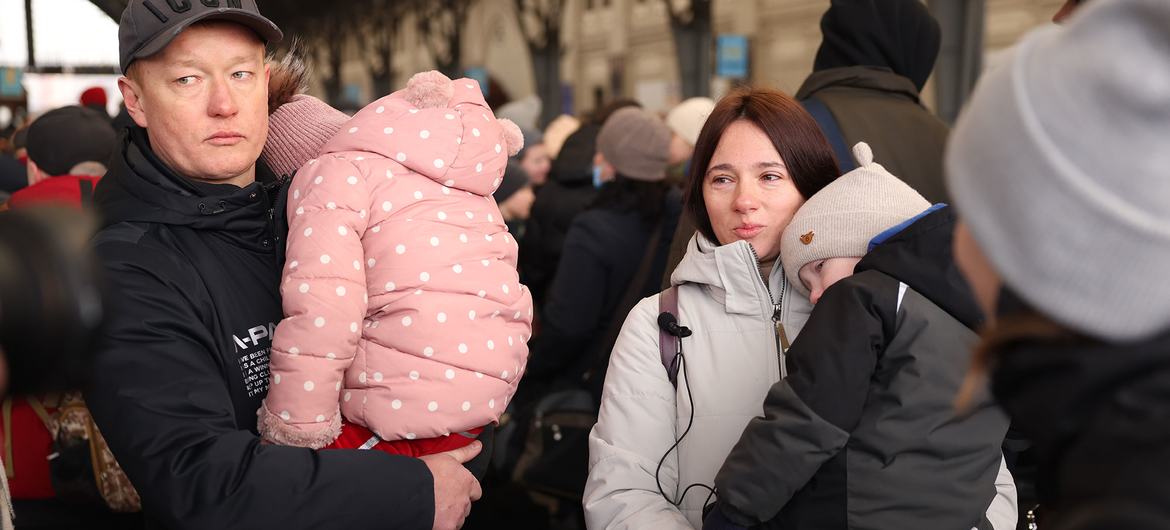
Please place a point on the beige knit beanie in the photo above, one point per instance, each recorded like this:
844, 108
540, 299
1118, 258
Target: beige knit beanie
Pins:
841, 219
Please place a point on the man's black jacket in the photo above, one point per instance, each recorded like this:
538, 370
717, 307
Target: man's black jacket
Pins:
182, 364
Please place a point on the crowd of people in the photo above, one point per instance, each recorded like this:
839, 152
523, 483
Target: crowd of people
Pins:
818, 310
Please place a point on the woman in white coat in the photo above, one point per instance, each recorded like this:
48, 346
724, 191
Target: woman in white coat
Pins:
758, 158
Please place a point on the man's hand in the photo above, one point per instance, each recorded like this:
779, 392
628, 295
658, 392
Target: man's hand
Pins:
455, 487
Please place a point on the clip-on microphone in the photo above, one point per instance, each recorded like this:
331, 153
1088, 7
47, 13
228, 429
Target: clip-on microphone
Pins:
669, 323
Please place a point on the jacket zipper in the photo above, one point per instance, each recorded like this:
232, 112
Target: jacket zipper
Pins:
780, 334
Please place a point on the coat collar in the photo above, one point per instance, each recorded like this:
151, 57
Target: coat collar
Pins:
730, 272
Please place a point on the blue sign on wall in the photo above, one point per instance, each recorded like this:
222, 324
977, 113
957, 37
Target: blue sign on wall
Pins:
731, 52
10, 82
480, 76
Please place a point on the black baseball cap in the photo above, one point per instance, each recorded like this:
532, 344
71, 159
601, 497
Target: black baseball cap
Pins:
65, 137
148, 26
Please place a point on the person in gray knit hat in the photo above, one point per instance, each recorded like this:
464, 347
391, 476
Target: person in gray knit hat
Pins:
1058, 168
614, 252
635, 144
884, 351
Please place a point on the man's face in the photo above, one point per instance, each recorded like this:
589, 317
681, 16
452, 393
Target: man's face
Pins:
204, 100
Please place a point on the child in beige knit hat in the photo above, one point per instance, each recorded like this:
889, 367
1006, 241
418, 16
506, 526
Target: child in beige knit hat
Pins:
832, 231
867, 409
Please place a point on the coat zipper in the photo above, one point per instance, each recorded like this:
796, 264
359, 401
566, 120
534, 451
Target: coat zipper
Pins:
780, 334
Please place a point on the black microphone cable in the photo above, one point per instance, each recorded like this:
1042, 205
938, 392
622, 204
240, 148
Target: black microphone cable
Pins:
681, 360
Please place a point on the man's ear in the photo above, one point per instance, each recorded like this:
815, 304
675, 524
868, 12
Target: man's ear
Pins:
132, 96
35, 174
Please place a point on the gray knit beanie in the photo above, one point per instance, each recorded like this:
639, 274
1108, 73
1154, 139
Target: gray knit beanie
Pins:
636, 143
841, 219
1059, 168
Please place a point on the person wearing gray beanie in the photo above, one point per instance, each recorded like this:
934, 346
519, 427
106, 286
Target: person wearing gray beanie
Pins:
635, 144
1058, 171
884, 351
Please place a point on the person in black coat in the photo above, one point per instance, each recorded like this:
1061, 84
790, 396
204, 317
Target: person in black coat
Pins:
570, 189
605, 246
1064, 238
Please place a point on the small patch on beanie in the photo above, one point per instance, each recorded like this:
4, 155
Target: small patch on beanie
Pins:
807, 238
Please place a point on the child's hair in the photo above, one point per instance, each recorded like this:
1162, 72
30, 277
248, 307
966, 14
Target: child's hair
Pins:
1025, 325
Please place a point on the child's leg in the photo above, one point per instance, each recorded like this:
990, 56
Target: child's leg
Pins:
357, 437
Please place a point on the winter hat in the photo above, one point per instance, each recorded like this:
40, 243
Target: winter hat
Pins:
636, 143
94, 96
514, 179
523, 112
687, 118
841, 219
897, 34
531, 138
558, 131
296, 132
65, 137
439, 128
1059, 167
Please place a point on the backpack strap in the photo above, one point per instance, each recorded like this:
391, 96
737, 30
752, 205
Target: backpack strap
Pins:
667, 343
832, 132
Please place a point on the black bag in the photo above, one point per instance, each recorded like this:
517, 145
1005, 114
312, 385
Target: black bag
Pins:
555, 457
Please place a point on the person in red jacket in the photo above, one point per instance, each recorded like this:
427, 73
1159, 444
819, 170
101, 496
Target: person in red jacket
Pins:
67, 153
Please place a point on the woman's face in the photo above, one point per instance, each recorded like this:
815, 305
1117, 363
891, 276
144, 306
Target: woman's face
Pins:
537, 164
748, 192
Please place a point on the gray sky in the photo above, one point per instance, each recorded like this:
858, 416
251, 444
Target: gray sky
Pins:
68, 33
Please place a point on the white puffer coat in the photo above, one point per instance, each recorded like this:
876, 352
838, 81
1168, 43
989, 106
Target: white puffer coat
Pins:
728, 366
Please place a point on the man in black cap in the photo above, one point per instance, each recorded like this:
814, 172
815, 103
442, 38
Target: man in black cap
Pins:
193, 254
68, 149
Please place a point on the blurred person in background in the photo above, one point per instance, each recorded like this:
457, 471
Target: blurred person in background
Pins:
630, 222
685, 121
45, 347
533, 158
557, 132
1058, 170
192, 248
95, 99
524, 112
68, 149
572, 185
13, 173
514, 197
874, 60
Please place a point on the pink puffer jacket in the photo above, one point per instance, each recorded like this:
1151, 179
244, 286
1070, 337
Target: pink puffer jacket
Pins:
403, 308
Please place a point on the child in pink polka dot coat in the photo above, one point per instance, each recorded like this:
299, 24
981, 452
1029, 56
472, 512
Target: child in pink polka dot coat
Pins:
405, 322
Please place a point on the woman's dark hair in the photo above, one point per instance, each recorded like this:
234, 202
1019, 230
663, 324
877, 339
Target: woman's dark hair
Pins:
795, 135
626, 194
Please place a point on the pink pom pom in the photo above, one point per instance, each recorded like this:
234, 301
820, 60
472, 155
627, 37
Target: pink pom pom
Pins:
512, 136
429, 90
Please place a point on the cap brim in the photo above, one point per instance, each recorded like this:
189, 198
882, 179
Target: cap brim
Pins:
263, 27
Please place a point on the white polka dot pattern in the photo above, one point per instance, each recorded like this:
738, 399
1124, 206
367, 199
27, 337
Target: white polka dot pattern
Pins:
421, 229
